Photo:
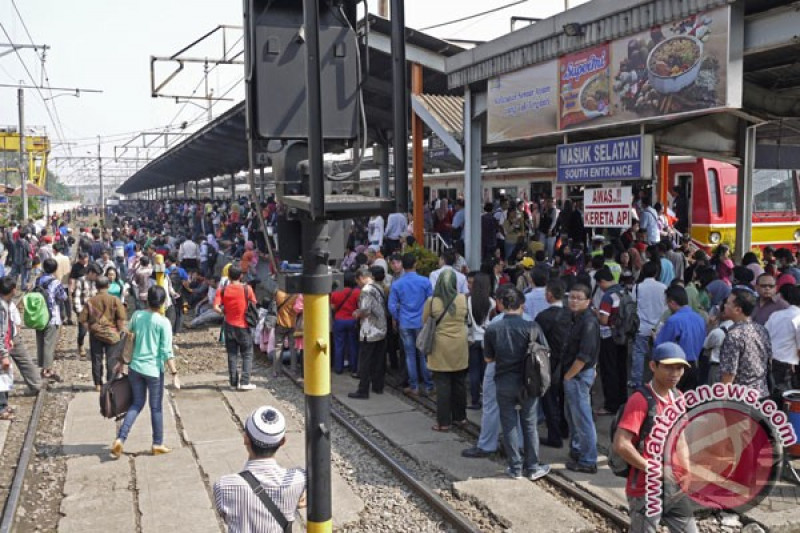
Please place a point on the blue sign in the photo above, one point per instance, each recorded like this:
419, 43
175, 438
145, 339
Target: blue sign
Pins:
619, 159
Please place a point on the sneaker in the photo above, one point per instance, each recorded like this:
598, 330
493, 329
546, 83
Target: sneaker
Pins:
116, 449
575, 466
513, 474
81, 352
249, 386
539, 473
160, 449
475, 453
408, 391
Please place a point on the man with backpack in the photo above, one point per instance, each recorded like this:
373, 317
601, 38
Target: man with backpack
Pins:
506, 343
630, 438
46, 338
84, 289
613, 348
232, 301
179, 279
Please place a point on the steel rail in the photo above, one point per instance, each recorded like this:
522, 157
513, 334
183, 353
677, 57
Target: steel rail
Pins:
455, 518
10, 509
596, 504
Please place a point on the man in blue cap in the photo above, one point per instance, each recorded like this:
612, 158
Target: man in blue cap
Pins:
668, 363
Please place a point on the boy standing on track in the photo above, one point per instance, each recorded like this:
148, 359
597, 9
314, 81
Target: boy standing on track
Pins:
263, 497
668, 365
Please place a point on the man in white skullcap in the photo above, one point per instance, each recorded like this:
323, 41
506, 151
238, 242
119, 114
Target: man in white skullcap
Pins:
263, 497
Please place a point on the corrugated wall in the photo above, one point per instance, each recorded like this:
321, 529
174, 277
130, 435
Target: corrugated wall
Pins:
615, 25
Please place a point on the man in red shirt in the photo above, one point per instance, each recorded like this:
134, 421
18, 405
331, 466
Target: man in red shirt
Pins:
231, 302
668, 363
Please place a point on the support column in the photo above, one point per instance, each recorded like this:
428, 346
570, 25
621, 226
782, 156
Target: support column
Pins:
746, 150
381, 152
263, 185
197, 189
186, 190
472, 182
211, 182
233, 186
399, 105
417, 132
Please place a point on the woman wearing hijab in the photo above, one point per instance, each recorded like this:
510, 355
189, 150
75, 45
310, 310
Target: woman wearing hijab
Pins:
449, 358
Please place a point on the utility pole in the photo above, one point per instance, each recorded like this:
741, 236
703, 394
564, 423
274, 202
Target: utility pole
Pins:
400, 107
100, 176
22, 178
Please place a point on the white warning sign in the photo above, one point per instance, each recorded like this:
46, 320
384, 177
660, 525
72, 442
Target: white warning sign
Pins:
607, 207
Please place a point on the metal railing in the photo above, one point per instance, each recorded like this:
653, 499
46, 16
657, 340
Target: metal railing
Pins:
435, 243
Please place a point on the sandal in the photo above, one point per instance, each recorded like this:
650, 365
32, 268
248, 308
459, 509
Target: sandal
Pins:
6, 415
441, 429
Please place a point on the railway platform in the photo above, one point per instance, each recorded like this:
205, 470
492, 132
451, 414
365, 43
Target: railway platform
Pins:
202, 425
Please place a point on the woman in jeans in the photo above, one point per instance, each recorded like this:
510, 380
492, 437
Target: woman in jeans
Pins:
152, 351
345, 328
480, 307
449, 360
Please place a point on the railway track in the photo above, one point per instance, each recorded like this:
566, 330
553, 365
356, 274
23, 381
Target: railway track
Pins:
452, 516
15, 493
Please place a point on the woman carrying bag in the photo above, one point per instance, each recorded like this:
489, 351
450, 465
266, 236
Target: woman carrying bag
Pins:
449, 358
152, 352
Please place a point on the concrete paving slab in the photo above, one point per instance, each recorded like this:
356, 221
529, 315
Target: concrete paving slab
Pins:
244, 403
172, 494
377, 404
447, 456
409, 428
220, 458
86, 432
523, 504
89, 481
204, 416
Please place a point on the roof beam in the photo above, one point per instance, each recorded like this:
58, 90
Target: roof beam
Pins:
427, 117
772, 29
414, 54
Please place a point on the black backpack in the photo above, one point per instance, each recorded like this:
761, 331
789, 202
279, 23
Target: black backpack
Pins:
625, 325
212, 257
616, 463
536, 365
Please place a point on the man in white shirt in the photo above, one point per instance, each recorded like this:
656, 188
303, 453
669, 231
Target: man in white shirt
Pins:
447, 261
712, 345
650, 305
784, 333
188, 255
375, 231
536, 298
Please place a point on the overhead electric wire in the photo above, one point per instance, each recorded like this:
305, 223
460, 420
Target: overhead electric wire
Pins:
468, 17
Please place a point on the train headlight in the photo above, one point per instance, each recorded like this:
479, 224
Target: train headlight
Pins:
715, 237
797, 234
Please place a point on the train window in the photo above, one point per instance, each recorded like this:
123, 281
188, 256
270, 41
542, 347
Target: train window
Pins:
713, 192
773, 191
507, 192
450, 194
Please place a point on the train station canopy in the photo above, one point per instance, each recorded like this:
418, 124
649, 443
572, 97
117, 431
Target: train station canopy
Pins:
220, 148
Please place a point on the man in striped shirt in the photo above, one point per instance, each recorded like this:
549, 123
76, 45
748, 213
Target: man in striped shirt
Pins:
237, 503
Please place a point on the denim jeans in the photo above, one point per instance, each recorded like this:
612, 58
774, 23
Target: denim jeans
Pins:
641, 348
490, 414
477, 368
345, 335
409, 338
582, 432
508, 387
143, 387
239, 344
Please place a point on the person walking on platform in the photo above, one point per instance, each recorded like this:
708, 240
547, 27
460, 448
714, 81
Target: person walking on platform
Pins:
232, 303
109, 309
372, 334
406, 299
47, 338
450, 356
263, 497
152, 352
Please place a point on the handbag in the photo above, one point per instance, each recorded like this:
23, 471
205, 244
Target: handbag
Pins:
116, 397
100, 328
251, 312
259, 491
123, 350
428, 332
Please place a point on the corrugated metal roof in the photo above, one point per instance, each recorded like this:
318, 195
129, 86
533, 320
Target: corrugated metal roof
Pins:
448, 111
603, 20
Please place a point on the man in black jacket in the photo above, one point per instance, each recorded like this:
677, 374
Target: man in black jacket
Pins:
555, 322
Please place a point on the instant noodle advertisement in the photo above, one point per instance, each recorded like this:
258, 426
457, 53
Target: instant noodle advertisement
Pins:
584, 86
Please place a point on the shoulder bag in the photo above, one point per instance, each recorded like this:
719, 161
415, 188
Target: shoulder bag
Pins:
259, 491
251, 310
428, 332
116, 397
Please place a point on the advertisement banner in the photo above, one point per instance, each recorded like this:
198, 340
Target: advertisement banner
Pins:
678, 68
584, 87
524, 103
619, 159
608, 207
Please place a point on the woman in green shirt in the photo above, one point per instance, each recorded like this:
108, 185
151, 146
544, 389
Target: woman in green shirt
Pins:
115, 285
152, 351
